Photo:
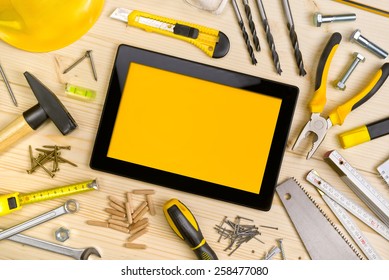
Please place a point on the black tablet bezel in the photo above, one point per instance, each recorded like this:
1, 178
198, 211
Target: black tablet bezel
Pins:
128, 54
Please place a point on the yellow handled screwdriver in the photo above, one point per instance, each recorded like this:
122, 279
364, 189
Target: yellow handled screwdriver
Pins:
211, 41
14, 201
184, 224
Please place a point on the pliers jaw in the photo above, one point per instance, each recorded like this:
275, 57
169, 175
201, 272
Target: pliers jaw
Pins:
318, 126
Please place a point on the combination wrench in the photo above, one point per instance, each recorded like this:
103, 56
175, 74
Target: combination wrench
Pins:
70, 206
78, 254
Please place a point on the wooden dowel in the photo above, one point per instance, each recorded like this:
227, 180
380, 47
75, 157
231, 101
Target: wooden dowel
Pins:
117, 207
118, 218
139, 223
118, 223
128, 212
139, 209
140, 215
119, 228
129, 200
137, 235
135, 246
116, 201
97, 223
141, 191
133, 231
150, 203
115, 212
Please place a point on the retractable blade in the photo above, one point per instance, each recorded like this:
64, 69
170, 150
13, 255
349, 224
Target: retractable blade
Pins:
211, 41
322, 239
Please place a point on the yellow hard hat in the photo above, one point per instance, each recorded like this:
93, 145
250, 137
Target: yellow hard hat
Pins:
46, 25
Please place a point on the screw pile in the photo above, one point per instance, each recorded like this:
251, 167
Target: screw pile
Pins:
48, 155
236, 233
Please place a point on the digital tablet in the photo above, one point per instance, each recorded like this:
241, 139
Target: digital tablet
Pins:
194, 127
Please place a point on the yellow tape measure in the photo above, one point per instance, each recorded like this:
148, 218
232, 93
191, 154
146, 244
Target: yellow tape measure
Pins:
14, 201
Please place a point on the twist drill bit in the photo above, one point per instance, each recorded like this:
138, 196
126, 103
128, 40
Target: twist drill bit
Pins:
251, 24
269, 37
293, 38
245, 35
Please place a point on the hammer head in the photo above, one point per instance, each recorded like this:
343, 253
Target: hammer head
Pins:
51, 105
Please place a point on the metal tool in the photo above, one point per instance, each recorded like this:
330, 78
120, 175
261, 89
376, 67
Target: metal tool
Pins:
88, 54
244, 32
364, 7
184, 224
322, 239
363, 189
319, 125
319, 19
14, 201
8, 86
383, 169
293, 37
70, 206
341, 84
339, 203
211, 41
49, 107
78, 254
364, 133
269, 37
357, 37
253, 30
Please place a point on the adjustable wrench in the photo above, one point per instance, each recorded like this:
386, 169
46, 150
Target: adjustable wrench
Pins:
70, 206
78, 254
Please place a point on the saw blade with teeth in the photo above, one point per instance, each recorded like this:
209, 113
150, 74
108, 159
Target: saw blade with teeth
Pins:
321, 237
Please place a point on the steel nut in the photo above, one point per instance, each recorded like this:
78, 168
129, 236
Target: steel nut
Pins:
62, 234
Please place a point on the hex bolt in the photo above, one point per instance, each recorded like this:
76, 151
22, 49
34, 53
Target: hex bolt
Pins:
318, 18
341, 84
357, 37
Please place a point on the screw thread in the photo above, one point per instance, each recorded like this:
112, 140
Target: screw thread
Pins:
297, 52
272, 46
247, 41
252, 26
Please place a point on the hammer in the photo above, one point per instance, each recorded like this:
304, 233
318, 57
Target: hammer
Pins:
48, 107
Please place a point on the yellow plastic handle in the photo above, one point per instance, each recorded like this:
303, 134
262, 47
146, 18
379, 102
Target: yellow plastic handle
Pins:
319, 98
9, 203
206, 39
339, 114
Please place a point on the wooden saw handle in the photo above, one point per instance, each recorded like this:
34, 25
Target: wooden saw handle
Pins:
13, 132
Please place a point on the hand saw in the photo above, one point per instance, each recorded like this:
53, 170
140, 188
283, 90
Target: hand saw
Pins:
211, 41
322, 239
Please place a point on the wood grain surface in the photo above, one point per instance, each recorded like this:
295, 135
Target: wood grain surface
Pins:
104, 38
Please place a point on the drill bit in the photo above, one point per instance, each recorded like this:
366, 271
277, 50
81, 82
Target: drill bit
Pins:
293, 37
269, 37
245, 35
251, 24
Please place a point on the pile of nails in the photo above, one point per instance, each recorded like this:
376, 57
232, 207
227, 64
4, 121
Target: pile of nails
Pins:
236, 232
48, 154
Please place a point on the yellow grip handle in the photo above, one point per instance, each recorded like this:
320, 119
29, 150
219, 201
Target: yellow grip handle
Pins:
319, 99
206, 40
339, 114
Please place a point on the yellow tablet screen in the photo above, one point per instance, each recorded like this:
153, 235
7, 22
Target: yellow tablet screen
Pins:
194, 128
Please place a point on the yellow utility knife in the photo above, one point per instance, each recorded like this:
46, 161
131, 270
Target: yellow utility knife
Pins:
211, 41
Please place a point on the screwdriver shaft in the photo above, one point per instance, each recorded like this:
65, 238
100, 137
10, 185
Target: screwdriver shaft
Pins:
244, 33
8, 86
269, 37
251, 24
293, 37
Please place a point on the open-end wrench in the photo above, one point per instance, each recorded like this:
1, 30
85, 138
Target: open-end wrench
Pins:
70, 206
78, 254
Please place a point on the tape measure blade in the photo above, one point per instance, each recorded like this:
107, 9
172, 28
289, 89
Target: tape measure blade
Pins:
320, 238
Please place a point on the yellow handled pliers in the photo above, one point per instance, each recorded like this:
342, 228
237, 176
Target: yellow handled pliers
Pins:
319, 125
